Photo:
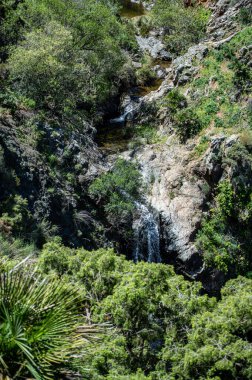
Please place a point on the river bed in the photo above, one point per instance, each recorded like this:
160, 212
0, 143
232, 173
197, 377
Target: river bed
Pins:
116, 133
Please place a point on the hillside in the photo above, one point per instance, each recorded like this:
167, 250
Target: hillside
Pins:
126, 189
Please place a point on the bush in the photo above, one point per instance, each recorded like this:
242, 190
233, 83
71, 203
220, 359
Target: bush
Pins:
62, 60
217, 240
187, 124
50, 68
245, 15
118, 190
145, 75
183, 26
174, 101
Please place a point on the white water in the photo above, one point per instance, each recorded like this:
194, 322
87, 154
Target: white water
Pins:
128, 113
146, 236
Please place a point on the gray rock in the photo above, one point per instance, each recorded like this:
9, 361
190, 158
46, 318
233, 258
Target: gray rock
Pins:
154, 47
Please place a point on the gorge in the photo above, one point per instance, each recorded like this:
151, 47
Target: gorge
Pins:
125, 189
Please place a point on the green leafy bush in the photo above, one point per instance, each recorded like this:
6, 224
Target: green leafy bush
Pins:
49, 67
174, 101
219, 344
220, 246
60, 59
245, 15
17, 216
145, 75
117, 190
187, 123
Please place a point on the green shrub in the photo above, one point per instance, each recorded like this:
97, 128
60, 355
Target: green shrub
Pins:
218, 345
187, 124
61, 60
202, 146
17, 215
145, 75
174, 101
117, 190
245, 15
55, 258
216, 239
147, 132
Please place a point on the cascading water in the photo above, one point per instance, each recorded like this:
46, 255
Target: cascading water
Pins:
146, 236
128, 112
146, 233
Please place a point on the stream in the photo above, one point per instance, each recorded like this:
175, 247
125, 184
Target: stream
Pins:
114, 138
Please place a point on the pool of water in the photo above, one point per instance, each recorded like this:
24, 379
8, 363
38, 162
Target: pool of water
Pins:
130, 9
113, 139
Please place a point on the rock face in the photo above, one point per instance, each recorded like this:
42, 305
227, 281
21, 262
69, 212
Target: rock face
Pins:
52, 173
179, 189
180, 72
176, 195
224, 18
154, 47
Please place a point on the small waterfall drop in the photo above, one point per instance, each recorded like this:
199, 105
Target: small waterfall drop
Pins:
146, 236
129, 108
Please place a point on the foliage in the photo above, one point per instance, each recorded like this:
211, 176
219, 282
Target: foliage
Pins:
59, 58
145, 75
117, 190
12, 251
38, 320
97, 271
143, 315
187, 123
163, 327
202, 146
55, 258
219, 344
148, 133
220, 246
49, 67
174, 101
16, 215
245, 15
183, 26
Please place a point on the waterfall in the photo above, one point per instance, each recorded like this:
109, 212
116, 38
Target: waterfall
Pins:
128, 111
146, 233
146, 236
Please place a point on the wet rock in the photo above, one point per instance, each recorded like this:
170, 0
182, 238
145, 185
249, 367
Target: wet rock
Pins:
159, 71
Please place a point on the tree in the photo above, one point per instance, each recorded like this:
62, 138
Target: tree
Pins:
152, 309
219, 343
62, 60
118, 190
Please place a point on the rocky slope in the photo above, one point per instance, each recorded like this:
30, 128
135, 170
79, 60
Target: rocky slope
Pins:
181, 184
51, 170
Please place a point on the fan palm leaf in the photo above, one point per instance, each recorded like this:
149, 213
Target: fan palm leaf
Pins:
38, 324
